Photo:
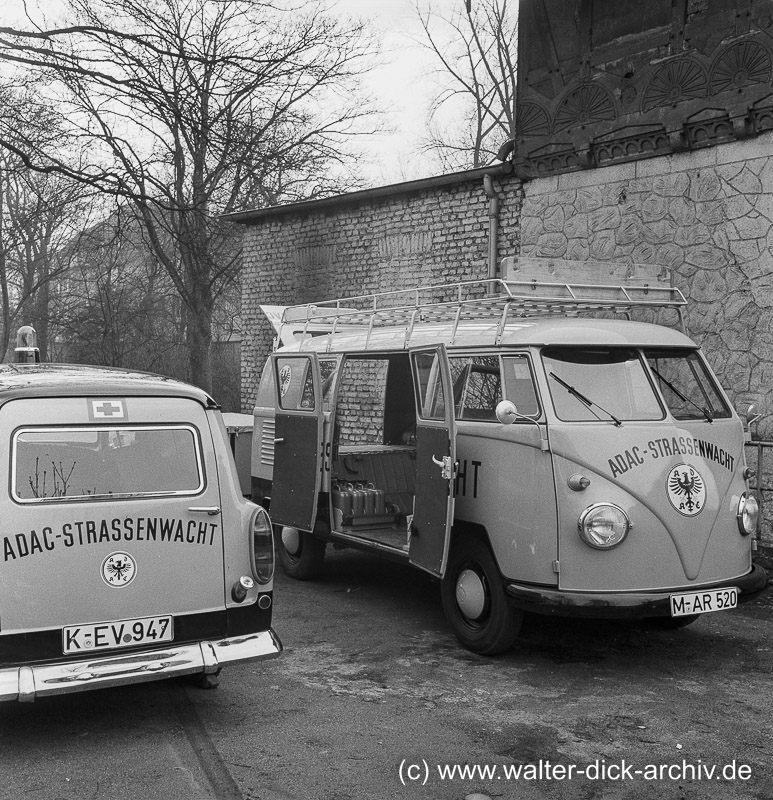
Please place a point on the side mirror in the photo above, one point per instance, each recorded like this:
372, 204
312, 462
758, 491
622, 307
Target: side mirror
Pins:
751, 415
506, 412
751, 418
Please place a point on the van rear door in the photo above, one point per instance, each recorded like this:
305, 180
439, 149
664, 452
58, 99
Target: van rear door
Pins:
433, 512
298, 442
112, 513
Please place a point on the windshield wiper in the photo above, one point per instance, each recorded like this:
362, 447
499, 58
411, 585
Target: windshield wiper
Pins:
684, 399
585, 401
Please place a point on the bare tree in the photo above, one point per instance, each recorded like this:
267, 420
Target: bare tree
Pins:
41, 216
474, 114
118, 306
188, 109
39, 241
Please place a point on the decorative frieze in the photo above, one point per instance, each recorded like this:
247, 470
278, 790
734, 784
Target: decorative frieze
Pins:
630, 86
741, 64
674, 82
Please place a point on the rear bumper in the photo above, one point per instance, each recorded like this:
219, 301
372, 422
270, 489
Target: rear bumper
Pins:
622, 605
27, 683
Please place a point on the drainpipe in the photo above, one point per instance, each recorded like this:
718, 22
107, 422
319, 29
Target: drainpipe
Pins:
493, 230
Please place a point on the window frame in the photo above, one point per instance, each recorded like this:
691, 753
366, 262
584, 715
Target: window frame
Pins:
708, 377
97, 428
527, 356
501, 357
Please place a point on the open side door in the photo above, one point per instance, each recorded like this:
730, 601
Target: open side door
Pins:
433, 512
298, 442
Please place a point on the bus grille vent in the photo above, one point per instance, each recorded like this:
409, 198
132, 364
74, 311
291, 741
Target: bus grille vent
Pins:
267, 442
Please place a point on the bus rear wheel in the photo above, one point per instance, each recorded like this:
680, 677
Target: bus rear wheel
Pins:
474, 600
301, 555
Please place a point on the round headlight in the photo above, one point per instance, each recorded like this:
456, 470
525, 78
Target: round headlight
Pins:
603, 525
748, 514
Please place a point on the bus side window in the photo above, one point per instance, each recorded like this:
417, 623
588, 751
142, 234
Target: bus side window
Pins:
329, 371
477, 387
519, 385
296, 387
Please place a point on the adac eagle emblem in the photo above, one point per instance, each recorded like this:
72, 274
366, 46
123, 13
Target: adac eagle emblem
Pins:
285, 377
118, 569
686, 490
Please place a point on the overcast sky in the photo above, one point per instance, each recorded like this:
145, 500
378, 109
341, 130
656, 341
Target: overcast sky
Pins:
402, 84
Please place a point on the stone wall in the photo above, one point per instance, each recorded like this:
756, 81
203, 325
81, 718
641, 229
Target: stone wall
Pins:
433, 234
709, 215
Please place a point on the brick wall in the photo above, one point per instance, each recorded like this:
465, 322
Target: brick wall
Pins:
360, 409
430, 235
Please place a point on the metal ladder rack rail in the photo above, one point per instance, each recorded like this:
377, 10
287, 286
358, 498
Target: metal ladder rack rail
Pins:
404, 307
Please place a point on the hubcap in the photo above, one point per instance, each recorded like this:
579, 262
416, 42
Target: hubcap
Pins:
291, 540
470, 594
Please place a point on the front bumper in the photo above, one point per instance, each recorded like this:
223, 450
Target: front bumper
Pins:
27, 683
622, 605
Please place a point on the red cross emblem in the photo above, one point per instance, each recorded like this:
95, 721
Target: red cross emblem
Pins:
107, 410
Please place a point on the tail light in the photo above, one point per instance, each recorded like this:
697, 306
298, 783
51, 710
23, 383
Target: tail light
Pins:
262, 546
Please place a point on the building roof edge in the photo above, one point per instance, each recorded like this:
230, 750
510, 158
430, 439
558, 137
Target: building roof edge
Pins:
257, 215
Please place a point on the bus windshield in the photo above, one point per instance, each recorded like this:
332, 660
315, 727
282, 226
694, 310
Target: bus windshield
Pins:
686, 385
607, 384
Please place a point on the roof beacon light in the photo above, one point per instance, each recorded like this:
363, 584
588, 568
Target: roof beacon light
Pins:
26, 351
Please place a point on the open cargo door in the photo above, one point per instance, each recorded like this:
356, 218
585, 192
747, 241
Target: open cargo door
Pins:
298, 442
433, 511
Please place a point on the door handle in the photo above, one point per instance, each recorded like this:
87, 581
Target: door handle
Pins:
278, 441
213, 511
446, 466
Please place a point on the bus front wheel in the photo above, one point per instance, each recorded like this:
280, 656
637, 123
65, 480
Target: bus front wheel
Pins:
474, 599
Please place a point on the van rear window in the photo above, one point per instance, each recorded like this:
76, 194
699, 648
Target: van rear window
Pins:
93, 463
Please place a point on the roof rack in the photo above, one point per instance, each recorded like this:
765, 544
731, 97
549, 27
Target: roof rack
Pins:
493, 299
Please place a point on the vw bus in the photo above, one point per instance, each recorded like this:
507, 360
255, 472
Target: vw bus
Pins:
128, 551
523, 439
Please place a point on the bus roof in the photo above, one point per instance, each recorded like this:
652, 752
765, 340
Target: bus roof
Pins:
532, 331
530, 310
